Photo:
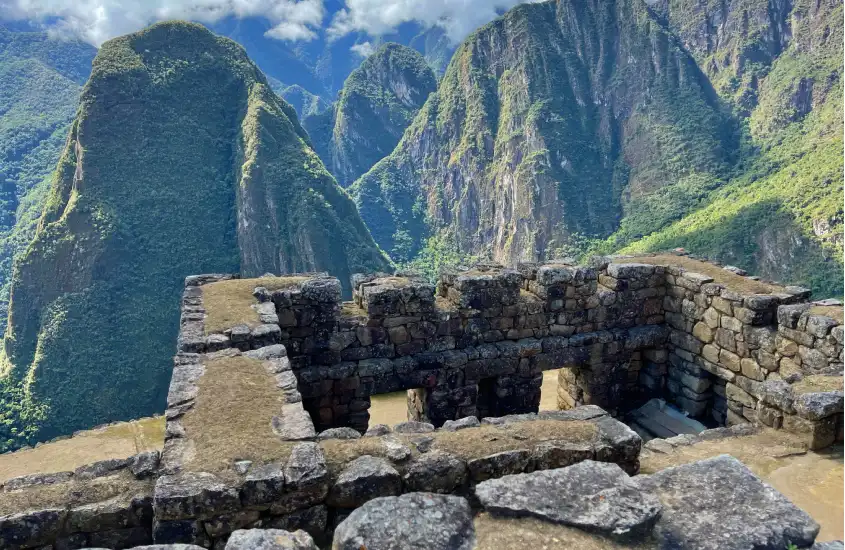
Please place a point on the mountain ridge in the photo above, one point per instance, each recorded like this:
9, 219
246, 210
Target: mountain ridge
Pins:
174, 123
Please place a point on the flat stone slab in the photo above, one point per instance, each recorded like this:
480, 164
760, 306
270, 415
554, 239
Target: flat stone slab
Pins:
270, 539
414, 520
719, 504
594, 496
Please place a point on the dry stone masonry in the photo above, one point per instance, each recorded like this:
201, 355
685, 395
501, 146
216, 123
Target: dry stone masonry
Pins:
268, 442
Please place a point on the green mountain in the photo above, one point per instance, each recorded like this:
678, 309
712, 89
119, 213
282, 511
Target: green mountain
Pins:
181, 160
376, 104
550, 125
305, 103
40, 81
780, 214
568, 127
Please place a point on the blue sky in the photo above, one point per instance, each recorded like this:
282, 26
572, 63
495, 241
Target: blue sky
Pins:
290, 20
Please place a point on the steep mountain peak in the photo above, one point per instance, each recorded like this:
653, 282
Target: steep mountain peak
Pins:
551, 123
181, 160
376, 104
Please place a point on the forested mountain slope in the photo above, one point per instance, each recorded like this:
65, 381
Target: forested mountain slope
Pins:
566, 128
377, 103
551, 125
181, 160
40, 81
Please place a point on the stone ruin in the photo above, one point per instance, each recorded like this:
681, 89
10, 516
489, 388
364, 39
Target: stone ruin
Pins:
268, 442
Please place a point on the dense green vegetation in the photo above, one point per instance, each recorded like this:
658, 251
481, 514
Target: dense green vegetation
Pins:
572, 128
780, 213
181, 160
377, 102
40, 81
515, 157
305, 103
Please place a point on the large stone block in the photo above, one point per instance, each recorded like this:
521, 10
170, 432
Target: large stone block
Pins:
365, 478
719, 504
415, 520
593, 496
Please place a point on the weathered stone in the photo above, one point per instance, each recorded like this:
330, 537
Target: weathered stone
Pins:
225, 524
294, 423
820, 325
549, 455
101, 468
34, 480
413, 427
144, 465
415, 520
499, 464
718, 504
395, 449
31, 529
365, 478
618, 443
263, 486
437, 472
831, 545
703, 332
730, 361
735, 393
339, 433
194, 495
761, 302
752, 370
312, 520
590, 495
778, 394
377, 430
818, 405
455, 425
818, 433
115, 513
306, 479
788, 315
270, 539
178, 532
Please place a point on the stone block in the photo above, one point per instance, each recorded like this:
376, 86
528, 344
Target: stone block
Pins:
365, 478
818, 434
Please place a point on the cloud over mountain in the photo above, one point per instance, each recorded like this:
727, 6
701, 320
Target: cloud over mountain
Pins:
96, 21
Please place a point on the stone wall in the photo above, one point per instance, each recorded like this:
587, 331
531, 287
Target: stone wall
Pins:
475, 345
106, 504
743, 357
478, 343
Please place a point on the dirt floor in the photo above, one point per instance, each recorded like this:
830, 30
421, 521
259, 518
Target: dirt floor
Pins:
115, 441
392, 408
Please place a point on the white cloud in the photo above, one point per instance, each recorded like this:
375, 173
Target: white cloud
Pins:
364, 49
98, 20
457, 18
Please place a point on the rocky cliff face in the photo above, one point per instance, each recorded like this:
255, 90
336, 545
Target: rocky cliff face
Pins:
40, 81
376, 105
552, 124
780, 213
180, 161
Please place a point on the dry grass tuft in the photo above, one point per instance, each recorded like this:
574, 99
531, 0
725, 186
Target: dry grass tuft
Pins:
74, 493
120, 440
231, 419
818, 383
733, 281
834, 312
229, 303
485, 440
